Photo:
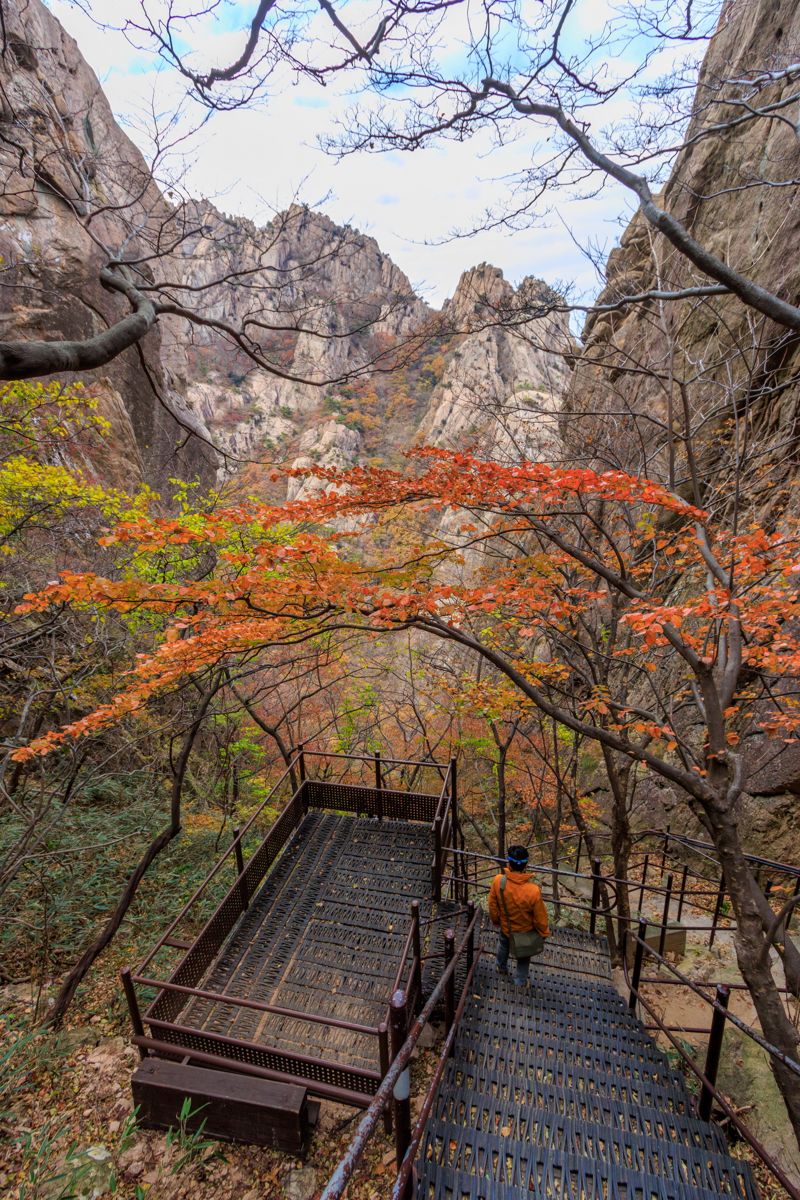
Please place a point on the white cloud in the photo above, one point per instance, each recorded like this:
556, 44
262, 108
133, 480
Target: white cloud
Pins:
252, 160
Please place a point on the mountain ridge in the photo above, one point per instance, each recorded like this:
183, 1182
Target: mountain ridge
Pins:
331, 316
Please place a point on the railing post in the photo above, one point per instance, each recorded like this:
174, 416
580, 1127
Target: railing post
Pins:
682, 896
578, 853
416, 950
398, 1031
714, 1050
237, 850
378, 785
133, 1007
717, 910
436, 881
595, 895
662, 941
454, 828
383, 1058
645, 865
664, 850
471, 942
301, 761
450, 986
638, 959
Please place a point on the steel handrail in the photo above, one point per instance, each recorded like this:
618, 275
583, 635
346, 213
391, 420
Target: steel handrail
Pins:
443, 795
402, 963
585, 907
726, 1107
773, 1051
407, 1165
237, 841
366, 758
660, 981
566, 872
346, 1165
258, 1005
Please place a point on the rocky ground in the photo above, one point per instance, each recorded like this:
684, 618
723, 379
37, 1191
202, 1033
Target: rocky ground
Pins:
67, 1126
744, 1078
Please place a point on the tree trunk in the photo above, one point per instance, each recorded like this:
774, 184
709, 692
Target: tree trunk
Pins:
501, 801
90, 955
752, 954
621, 844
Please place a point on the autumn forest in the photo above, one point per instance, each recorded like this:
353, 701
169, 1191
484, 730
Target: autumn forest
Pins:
320, 592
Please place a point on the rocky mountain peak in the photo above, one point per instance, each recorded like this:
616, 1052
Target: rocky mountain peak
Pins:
480, 291
363, 366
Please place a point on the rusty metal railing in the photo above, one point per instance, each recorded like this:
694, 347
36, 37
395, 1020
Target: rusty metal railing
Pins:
396, 1087
720, 1015
169, 1028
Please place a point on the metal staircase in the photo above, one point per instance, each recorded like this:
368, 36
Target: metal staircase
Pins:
557, 1091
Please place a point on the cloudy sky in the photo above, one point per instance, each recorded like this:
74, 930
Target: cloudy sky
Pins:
252, 162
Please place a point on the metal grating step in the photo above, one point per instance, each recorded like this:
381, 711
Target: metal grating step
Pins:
490, 1081
560, 1183
508, 1157
546, 1059
553, 988
501, 1014
584, 962
536, 1026
518, 1116
526, 1165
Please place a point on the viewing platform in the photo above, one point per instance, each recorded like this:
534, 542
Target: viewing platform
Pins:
344, 917
287, 974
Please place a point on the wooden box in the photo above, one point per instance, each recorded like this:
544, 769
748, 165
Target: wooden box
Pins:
234, 1107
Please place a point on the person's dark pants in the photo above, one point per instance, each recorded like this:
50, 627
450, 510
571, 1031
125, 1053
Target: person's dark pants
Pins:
503, 947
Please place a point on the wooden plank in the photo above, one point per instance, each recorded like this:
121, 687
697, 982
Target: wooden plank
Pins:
234, 1107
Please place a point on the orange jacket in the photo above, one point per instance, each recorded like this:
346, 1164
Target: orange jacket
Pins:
523, 899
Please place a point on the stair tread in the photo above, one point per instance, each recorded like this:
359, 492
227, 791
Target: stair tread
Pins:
557, 1091
443, 1183
492, 1083
492, 1114
537, 1026
550, 1054
482, 1152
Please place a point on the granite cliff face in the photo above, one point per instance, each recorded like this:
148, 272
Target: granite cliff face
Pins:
75, 192
335, 305
502, 385
739, 195
355, 365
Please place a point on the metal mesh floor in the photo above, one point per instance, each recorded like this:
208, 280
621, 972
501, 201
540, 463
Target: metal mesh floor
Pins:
323, 935
557, 1091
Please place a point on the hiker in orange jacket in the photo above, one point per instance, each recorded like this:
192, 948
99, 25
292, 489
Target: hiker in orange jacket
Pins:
523, 910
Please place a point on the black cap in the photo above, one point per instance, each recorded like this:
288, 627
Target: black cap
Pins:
517, 856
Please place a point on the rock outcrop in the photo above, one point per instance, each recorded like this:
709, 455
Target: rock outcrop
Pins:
739, 195
502, 387
75, 193
352, 364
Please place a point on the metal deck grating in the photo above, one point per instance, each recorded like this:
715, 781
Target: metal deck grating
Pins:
323, 935
556, 1091
544, 1103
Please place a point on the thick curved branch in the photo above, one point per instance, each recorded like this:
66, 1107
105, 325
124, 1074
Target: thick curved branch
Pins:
25, 360
747, 290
